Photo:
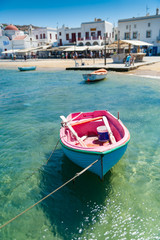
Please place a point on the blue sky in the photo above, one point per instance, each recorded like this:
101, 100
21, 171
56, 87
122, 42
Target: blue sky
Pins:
72, 13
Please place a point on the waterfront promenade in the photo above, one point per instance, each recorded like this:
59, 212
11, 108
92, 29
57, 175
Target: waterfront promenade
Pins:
118, 67
150, 65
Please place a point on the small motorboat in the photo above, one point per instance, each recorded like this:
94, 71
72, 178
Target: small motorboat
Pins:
86, 137
27, 68
96, 75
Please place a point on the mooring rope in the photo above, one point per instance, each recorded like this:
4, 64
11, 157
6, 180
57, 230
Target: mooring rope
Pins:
26, 210
39, 167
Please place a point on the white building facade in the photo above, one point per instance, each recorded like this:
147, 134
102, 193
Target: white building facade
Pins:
44, 35
145, 28
12, 39
90, 33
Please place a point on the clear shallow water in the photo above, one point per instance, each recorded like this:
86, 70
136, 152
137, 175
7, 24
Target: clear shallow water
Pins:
124, 206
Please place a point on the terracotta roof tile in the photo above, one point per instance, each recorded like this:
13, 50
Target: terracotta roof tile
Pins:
20, 37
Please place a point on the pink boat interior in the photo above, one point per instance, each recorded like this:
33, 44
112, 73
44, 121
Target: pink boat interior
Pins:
87, 129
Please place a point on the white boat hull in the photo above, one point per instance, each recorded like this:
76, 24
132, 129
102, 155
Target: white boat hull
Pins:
94, 77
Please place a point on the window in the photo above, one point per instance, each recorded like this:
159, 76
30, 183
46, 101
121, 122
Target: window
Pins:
126, 35
112, 34
87, 35
40, 36
148, 34
93, 34
67, 36
36, 36
134, 35
99, 33
126, 26
74, 38
149, 24
44, 35
50, 36
56, 36
135, 26
59, 33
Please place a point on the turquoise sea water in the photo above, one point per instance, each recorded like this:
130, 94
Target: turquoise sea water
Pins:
126, 205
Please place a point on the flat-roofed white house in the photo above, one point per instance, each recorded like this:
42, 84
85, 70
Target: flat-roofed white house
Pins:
44, 35
90, 33
23, 42
145, 28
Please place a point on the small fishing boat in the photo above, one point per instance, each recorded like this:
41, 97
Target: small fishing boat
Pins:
96, 75
87, 137
27, 68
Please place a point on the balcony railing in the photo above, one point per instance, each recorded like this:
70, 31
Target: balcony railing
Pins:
80, 39
91, 38
71, 41
84, 39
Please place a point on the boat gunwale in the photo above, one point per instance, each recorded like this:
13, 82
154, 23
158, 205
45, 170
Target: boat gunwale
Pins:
96, 152
116, 145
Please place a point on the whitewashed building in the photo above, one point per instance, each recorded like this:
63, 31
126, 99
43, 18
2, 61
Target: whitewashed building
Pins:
145, 28
5, 44
90, 33
12, 39
44, 35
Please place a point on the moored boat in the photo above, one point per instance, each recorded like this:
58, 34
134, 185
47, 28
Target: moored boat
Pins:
86, 137
27, 68
97, 75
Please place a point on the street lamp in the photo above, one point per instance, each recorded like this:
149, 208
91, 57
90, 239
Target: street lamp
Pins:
105, 35
118, 51
75, 54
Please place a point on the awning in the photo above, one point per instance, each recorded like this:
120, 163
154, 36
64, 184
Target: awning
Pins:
95, 48
76, 49
25, 50
46, 47
61, 48
123, 43
114, 45
136, 42
10, 51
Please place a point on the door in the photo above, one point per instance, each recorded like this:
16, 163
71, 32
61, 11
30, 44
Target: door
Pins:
60, 42
73, 37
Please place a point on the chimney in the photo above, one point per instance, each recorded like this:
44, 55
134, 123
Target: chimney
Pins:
157, 11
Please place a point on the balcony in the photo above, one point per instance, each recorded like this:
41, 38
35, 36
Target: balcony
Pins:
80, 39
93, 40
71, 41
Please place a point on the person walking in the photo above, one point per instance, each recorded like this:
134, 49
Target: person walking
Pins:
128, 60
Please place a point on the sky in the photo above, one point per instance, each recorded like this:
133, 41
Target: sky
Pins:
71, 13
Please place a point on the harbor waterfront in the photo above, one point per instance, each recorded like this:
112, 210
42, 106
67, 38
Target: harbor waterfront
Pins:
125, 205
151, 64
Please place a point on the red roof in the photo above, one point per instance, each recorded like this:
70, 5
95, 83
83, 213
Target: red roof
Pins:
11, 27
20, 37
